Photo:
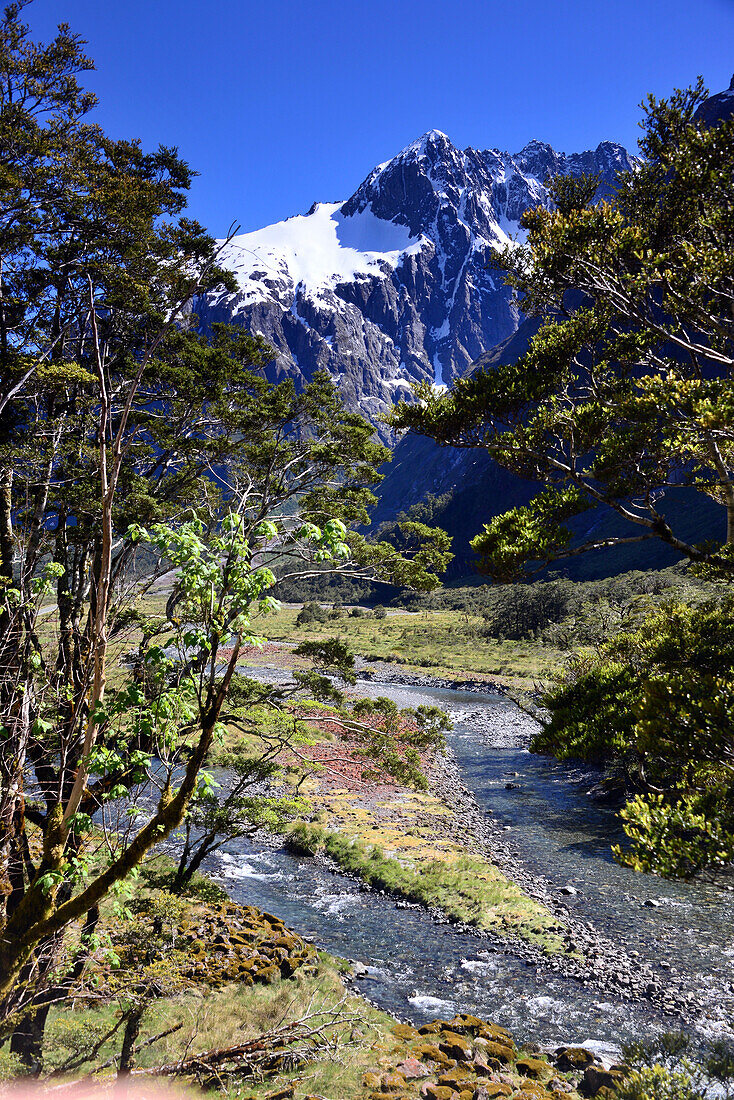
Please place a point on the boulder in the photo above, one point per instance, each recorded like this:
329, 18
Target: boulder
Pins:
456, 1079
434, 1027
405, 1031
437, 1092
573, 1058
497, 1052
464, 1024
268, 974
596, 1078
392, 1082
495, 1034
412, 1069
455, 1046
534, 1068
432, 1052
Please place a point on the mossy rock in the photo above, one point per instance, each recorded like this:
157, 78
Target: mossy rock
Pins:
371, 1080
434, 1054
466, 1094
392, 1082
455, 1046
497, 1052
534, 1088
596, 1078
495, 1034
534, 1068
290, 943
456, 1080
268, 975
274, 922
438, 1092
464, 1024
405, 1031
573, 1058
434, 1027
491, 1089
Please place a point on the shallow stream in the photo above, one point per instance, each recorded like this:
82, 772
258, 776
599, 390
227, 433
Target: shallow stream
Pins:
420, 968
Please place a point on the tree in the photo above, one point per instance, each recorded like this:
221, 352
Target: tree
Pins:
624, 399
657, 703
118, 414
625, 394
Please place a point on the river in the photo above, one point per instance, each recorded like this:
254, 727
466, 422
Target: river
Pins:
420, 968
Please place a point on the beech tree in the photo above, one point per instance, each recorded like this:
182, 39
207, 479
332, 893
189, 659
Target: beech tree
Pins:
625, 394
128, 438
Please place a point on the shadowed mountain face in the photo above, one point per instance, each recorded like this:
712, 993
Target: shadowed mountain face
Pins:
472, 488
396, 285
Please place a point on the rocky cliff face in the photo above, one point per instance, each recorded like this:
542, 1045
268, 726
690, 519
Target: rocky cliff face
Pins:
396, 285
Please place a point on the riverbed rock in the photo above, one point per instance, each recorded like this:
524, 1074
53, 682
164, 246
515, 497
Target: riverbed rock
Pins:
597, 1078
455, 1046
573, 1058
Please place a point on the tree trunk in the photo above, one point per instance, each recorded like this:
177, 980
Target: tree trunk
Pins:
6, 524
129, 1038
27, 1039
188, 865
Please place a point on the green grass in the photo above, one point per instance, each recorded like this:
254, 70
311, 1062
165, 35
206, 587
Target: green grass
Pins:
467, 889
443, 642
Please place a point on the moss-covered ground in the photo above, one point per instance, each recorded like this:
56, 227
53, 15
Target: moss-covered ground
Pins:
363, 1053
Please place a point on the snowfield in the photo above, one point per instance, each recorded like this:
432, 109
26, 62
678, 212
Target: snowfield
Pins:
315, 251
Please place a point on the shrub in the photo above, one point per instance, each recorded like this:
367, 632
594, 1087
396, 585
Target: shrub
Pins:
659, 700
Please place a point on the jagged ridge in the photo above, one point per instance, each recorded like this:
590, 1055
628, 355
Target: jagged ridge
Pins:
396, 284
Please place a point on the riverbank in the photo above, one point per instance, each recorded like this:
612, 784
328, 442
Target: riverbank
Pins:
394, 839
226, 996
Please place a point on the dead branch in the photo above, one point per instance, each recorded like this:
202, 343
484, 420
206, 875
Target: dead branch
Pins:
283, 1047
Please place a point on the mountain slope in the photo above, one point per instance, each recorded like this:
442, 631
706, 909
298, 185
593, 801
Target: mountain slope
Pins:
396, 285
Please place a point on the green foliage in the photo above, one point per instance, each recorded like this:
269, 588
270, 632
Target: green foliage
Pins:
312, 612
393, 738
667, 1069
625, 393
658, 701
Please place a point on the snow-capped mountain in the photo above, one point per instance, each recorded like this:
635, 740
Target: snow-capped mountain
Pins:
396, 285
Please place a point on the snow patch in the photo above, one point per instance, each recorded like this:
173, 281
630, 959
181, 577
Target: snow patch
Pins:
315, 251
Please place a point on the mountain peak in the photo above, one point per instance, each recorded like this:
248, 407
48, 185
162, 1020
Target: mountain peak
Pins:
397, 284
433, 144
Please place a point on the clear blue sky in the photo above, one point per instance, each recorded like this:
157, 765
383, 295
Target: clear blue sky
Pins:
277, 103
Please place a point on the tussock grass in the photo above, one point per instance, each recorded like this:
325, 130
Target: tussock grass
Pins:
435, 641
464, 887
